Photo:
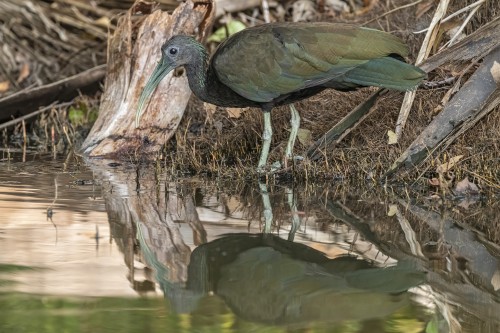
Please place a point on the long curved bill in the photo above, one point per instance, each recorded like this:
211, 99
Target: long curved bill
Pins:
161, 70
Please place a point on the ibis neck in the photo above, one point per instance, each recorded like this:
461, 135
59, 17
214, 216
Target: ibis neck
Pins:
205, 84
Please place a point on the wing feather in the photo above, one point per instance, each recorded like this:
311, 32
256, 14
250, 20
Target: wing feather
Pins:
268, 61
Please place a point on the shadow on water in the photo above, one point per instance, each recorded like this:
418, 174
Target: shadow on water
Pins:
231, 257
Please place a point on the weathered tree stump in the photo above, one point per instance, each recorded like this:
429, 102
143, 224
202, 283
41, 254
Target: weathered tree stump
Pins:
133, 51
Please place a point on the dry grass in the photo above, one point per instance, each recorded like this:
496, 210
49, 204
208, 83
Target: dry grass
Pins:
230, 146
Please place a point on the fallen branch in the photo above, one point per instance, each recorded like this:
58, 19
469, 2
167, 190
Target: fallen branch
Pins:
475, 46
27, 101
33, 114
476, 99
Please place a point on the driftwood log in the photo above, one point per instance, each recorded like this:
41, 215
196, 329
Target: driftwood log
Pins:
133, 51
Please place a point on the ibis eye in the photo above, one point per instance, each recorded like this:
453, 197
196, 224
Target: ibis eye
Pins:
173, 51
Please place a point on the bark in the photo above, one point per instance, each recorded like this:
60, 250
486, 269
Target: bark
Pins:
475, 46
133, 51
29, 100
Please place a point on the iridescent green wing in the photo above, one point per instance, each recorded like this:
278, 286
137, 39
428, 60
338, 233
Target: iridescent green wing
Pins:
267, 61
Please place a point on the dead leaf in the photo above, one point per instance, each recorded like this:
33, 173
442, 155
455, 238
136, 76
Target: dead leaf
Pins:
467, 201
434, 197
24, 73
444, 29
367, 6
303, 10
233, 204
103, 22
423, 8
393, 209
304, 136
210, 111
495, 72
445, 167
337, 6
434, 182
466, 187
234, 112
392, 137
4, 86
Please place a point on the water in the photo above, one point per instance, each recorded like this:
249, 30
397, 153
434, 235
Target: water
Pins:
112, 247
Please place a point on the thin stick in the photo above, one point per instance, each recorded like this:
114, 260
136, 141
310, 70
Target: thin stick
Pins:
425, 49
462, 27
65, 130
265, 11
458, 12
24, 131
21, 119
410, 235
393, 10
82, 5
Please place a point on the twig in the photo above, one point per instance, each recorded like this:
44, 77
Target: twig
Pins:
91, 29
462, 27
440, 83
82, 5
23, 118
422, 55
265, 11
24, 131
484, 179
458, 12
393, 10
65, 130
410, 234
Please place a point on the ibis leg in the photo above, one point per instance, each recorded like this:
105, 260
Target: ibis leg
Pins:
268, 210
293, 210
295, 123
266, 140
